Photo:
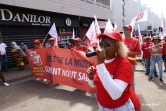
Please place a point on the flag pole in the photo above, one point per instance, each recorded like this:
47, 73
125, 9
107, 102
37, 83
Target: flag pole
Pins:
83, 39
45, 38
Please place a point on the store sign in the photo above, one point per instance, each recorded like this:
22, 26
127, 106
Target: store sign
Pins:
8, 15
68, 21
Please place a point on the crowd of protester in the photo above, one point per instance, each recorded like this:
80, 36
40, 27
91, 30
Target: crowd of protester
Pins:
113, 74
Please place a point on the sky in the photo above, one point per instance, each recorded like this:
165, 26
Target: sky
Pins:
157, 6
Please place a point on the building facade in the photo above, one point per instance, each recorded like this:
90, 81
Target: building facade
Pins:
24, 21
125, 10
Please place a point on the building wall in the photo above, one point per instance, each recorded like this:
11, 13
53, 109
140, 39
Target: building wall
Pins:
105, 2
73, 7
129, 12
117, 13
133, 8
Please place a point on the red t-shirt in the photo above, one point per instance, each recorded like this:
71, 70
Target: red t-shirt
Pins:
164, 49
133, 46
121, 69
146, 52
81, 48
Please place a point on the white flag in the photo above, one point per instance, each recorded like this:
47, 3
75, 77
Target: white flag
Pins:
53, 31
161, 35
91, 34
139, 35
133, 22
142, 17
163, 24
73, 34
109, 27
115, 27
132, 25
97, 28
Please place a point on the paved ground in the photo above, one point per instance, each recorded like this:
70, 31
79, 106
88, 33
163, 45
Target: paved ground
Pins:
27, 94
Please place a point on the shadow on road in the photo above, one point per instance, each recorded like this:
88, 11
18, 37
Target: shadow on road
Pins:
160, 85
32, 88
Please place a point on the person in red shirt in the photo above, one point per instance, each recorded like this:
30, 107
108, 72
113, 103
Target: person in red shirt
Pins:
37, 44
147, 55
113, 75
133, 46
164, 53
52, 42
78, 46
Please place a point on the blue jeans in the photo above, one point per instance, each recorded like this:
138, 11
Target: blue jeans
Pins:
156, 59
128, 106
147, 63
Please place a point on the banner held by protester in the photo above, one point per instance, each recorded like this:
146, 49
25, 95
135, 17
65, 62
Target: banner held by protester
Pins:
60, 68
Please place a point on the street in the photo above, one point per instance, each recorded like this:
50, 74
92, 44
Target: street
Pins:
26, 94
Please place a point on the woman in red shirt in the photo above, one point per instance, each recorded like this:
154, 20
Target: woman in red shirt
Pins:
113, 74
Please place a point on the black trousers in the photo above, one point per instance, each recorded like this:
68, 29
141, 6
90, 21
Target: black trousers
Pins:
4, 62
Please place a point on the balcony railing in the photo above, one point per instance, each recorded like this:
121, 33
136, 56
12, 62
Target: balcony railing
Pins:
96, 3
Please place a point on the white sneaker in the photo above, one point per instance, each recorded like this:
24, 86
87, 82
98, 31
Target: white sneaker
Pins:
6, 84
38, 79
45, 80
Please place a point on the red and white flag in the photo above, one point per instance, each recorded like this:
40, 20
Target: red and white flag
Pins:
91, 34
97, 28
139, 36
53, 33
73, 34
142, 17
109, 27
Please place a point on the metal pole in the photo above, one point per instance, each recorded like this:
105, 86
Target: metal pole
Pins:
45, 38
